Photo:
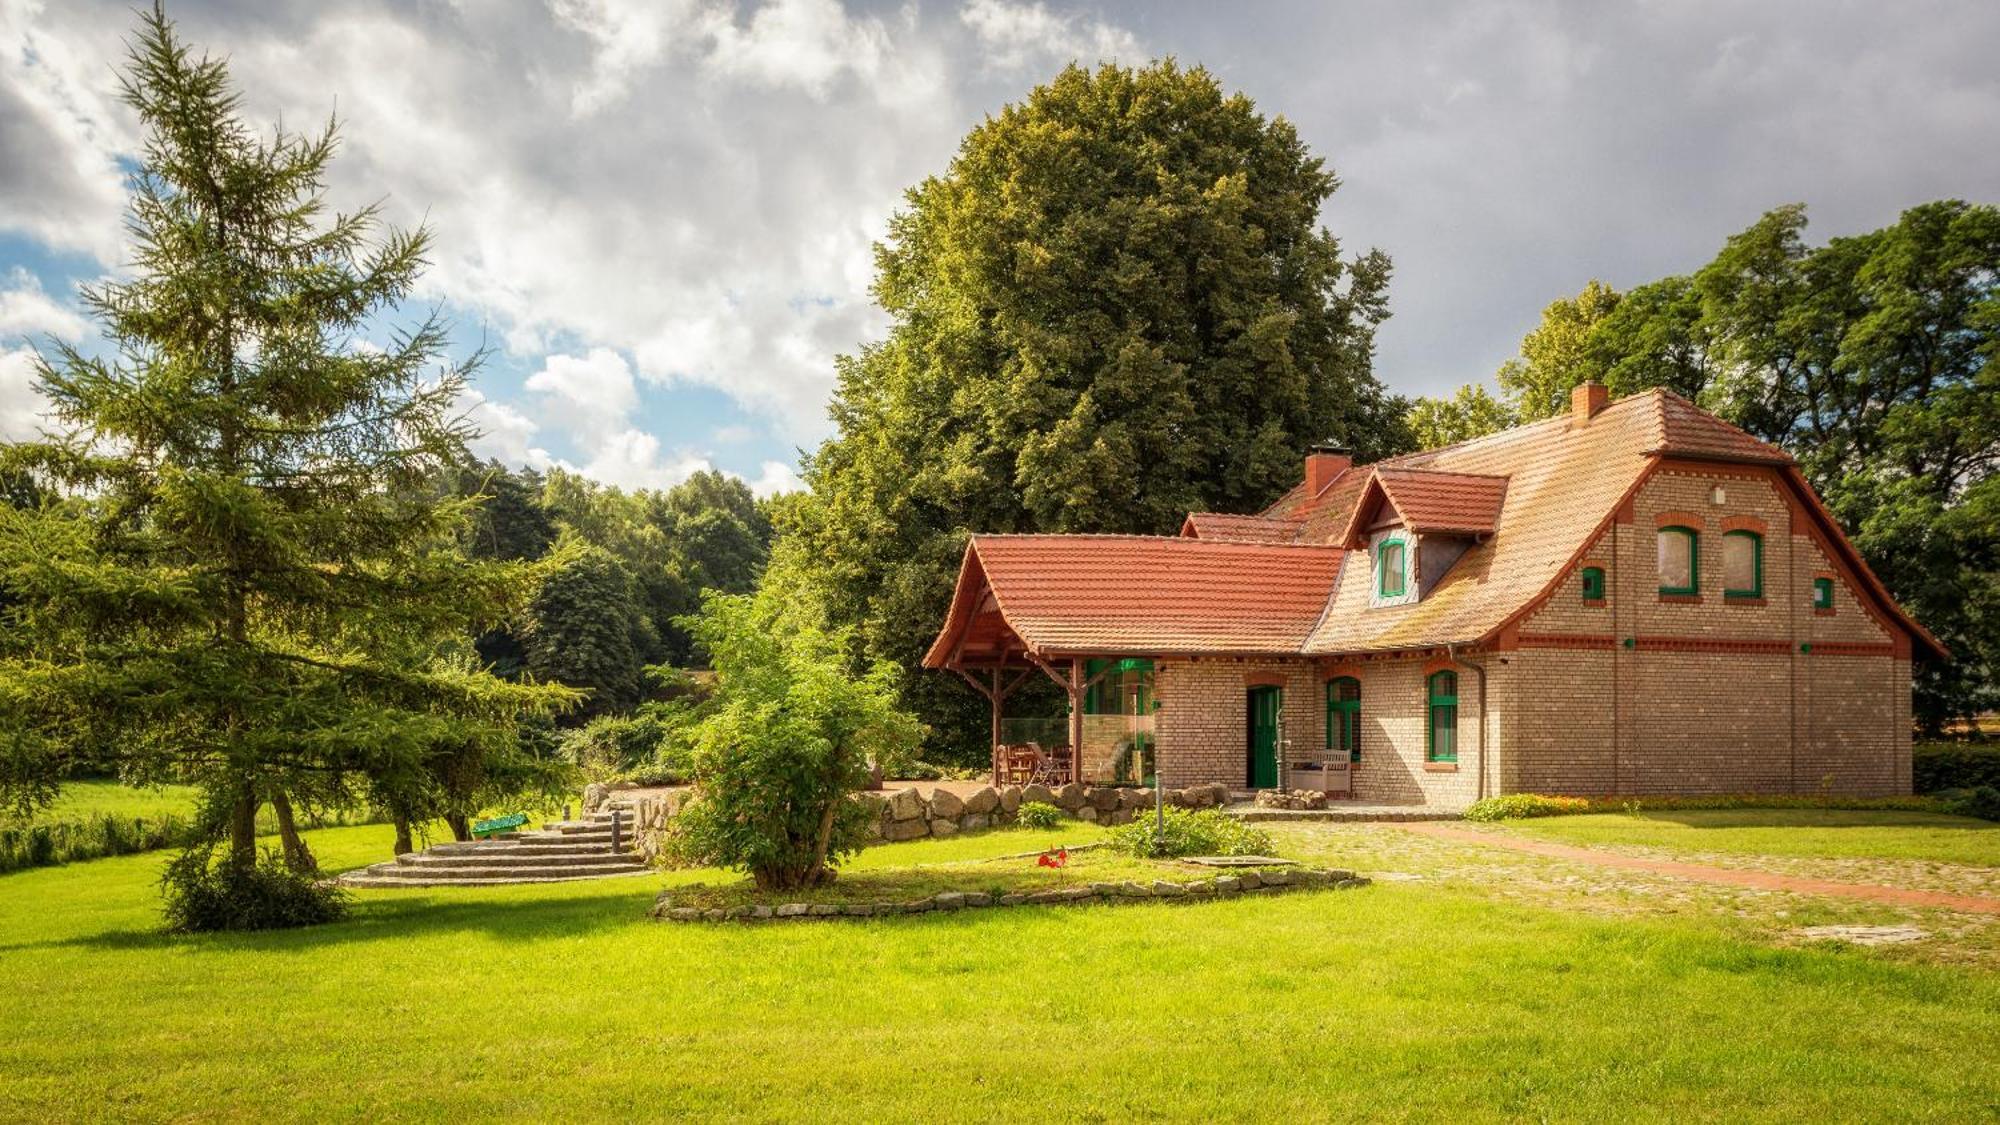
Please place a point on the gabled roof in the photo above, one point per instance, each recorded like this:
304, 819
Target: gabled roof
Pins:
1428, 501
1067, 594
1240, 529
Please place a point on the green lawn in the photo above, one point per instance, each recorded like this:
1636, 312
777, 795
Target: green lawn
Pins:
528, 1003
1803, 833
81, 799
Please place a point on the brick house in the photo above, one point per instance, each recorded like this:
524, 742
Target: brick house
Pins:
1635, 598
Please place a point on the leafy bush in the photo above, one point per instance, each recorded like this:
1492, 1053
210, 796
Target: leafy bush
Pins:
1939, 766
92, 837
1037, 814
1191, 832
1515, 806
1982, 802
1518, 806
783, 742
203, 896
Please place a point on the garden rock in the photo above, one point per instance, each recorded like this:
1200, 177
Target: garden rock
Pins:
1070, 797
1037, 794
1010, 800
945, 803
943, 827
1103, 800
899, 830
906, 804
981, 802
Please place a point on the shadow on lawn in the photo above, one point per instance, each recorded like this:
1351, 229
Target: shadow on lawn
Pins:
397, 918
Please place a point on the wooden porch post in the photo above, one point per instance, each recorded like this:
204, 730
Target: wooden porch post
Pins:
1076, 719
999, 698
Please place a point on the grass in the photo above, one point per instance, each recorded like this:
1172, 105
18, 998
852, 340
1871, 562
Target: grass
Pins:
1398, 1000
81, 799
1802, 833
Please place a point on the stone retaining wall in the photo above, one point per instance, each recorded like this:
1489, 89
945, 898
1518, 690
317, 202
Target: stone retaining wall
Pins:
1222, 886
906, 814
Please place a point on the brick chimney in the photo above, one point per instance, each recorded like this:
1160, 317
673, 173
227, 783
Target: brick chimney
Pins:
1323, 463
1586, 400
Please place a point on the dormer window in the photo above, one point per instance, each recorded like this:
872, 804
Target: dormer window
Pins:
1395, 578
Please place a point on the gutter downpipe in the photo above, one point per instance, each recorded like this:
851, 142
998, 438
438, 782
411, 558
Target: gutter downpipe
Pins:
1451, 654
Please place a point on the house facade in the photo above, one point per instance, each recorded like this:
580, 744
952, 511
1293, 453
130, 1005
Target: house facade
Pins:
1635, 598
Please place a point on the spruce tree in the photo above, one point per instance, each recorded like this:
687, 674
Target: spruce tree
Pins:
242, 573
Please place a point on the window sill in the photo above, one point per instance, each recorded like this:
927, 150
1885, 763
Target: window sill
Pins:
1744, 599
1593, 603
1679, 599
1823, 612
1440, 767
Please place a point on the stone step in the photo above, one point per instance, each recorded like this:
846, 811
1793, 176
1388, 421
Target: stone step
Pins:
389, 875
502, 874
551, 847
513, 860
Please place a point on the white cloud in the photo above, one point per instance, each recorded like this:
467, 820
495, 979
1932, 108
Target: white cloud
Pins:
59, 133
505, 433
27, 310
776, 477
1017, 36
587, 397
20, 404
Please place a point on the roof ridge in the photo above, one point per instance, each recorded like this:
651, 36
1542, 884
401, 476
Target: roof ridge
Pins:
1073, 536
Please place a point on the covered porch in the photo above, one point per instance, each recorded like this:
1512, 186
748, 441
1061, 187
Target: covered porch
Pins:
1099, 618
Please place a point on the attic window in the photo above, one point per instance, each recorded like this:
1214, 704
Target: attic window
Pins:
1392, 570
1823, 595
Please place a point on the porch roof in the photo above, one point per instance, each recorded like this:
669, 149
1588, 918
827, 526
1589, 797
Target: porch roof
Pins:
1067, 595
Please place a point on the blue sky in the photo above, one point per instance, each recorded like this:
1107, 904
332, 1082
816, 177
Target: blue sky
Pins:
658, 214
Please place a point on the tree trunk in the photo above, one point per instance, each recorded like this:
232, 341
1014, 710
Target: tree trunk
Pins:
298, 857
461, 826
403, 844
243, 828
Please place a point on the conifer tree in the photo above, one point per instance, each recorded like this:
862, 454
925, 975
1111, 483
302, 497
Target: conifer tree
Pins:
241, 573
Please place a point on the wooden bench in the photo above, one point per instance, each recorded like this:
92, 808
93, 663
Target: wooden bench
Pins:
499, 824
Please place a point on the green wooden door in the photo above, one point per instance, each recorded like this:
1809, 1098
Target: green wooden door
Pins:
1263, 708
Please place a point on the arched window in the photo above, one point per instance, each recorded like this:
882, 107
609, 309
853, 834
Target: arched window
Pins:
1441, 741
1343, 716
1742, 564
1680, 563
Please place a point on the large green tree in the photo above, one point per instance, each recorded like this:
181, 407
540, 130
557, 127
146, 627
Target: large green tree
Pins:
243, 575
1871, 359
1116, 305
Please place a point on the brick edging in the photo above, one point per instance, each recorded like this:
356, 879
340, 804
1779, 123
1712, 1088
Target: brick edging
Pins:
1222, 886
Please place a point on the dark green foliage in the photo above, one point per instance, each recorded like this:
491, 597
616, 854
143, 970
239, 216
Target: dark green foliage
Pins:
1982, 802
1955, 765
778, 748
1191, 832
1115, 306
241, 573
206, 895
93, 837
586, 629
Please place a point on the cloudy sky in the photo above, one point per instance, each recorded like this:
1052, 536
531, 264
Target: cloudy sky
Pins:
658, 214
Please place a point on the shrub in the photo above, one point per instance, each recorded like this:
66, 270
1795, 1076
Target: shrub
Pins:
203, 896
1938, 766
1516, 806
1191, 832
91, 837
1036, 814
785, 739
1982, 802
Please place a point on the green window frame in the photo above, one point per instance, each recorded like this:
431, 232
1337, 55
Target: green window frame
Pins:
1392, 563
1822, 593
1731, 539
1692, 538
1441, 718
1593, 583
1343, 716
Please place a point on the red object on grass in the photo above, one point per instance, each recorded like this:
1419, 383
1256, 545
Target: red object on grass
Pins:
1054, 859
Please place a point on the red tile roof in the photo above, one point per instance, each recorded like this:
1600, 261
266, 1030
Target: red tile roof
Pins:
1240, 529
1429, 501
1068, 594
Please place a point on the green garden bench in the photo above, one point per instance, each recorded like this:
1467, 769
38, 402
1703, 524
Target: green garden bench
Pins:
499, 824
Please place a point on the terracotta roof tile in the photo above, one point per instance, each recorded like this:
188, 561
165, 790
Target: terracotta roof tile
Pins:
1139, 594
1240, 529
1432, 501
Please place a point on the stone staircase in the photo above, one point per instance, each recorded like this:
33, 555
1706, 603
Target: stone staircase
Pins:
560, 852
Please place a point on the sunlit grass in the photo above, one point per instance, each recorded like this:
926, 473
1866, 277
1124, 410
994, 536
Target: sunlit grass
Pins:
1804, 833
